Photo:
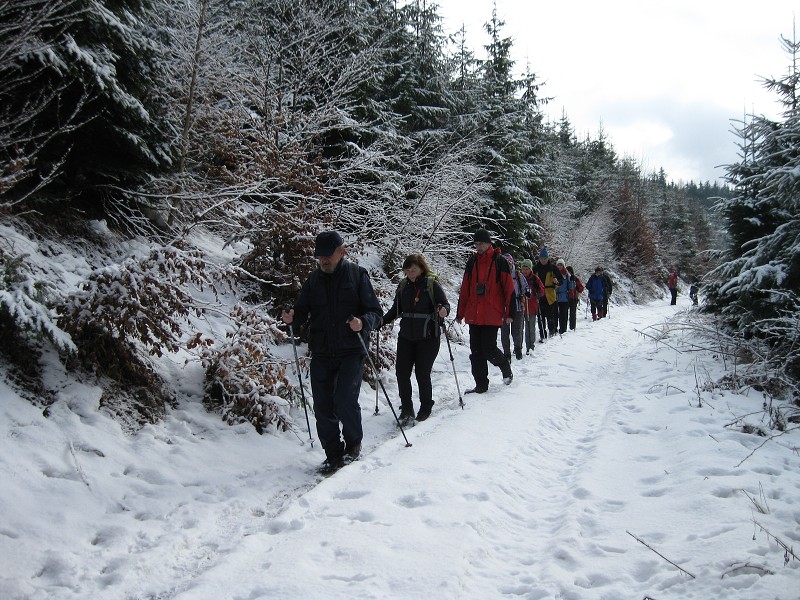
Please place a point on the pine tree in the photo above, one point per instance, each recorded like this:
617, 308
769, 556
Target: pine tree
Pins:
510, 126
99, 58
756, 289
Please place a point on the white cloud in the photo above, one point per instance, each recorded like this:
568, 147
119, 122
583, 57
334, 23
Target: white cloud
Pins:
688, 67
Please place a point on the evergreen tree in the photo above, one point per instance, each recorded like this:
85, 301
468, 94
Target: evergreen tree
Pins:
99, 58
510, 126
756, 290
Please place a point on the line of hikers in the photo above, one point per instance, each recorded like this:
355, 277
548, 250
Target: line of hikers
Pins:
339, 301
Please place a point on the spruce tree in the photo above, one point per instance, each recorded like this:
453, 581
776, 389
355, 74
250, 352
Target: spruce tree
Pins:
756, 289
99, 59
510, 126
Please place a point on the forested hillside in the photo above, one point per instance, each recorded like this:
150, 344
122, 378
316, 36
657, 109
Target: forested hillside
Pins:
131, 130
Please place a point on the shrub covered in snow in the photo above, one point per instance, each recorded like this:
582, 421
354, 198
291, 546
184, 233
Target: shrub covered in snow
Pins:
244, 380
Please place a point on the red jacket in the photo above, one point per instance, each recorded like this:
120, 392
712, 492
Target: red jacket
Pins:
537, 290
673, 281
491, 271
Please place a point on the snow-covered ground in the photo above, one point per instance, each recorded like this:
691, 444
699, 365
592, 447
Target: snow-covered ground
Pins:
601, 472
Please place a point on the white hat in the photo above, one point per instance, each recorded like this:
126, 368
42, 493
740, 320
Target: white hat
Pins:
560, 261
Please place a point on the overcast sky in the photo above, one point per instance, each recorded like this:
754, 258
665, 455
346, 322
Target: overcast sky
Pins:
664, 78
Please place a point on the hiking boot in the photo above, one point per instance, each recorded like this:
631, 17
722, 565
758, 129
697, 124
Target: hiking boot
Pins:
518, 353
423, 413
477, 390
332, 463
509, 379
406, 413
352, 452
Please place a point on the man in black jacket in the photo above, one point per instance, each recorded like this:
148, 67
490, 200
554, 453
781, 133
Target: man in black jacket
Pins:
332, 294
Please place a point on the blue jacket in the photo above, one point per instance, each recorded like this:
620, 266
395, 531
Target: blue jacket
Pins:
597, 287
567, 284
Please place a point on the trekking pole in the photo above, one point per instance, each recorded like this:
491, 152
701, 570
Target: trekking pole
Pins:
300, 380
540, 322
377, 373
389, 402
452, 362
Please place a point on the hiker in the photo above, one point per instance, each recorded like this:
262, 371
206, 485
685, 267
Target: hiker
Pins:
551, 278
574, 297
531, 303
672, 284
693, 291
341, 304
562, 294
609, 288
483, 302
597, 287
420, 303
514, 330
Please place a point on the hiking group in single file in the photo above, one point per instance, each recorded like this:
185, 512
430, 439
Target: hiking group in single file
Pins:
338, 302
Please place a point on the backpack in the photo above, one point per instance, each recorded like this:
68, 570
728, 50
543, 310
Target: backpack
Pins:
579, 285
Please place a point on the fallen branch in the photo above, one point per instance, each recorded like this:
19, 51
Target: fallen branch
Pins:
747, 565
769, 439
681, 569
788, 551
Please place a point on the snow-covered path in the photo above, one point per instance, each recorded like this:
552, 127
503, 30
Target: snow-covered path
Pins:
535, 490
528, 492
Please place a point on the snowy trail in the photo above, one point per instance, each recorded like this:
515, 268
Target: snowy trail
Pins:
532, 491
509, 518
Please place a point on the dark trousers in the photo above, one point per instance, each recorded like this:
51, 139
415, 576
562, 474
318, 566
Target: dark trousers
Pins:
674, 292
573, 313
483, 346
418, 355
598, 308
549, 315
335, 384
542, 319
552, 319
563, 314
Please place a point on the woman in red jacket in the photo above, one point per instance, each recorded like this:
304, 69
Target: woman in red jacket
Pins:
484, 303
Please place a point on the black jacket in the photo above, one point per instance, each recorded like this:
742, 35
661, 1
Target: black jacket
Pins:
413, 305
329, 300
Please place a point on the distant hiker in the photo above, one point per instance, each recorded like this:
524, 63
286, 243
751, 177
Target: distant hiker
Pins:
483, 302
531, 309
334, 292
574, 296
514, 330
609, 289
672, 284
562, 294
551, 278
693, 291
597, 286
419, 303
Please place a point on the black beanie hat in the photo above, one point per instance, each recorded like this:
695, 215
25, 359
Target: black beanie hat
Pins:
482, 236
